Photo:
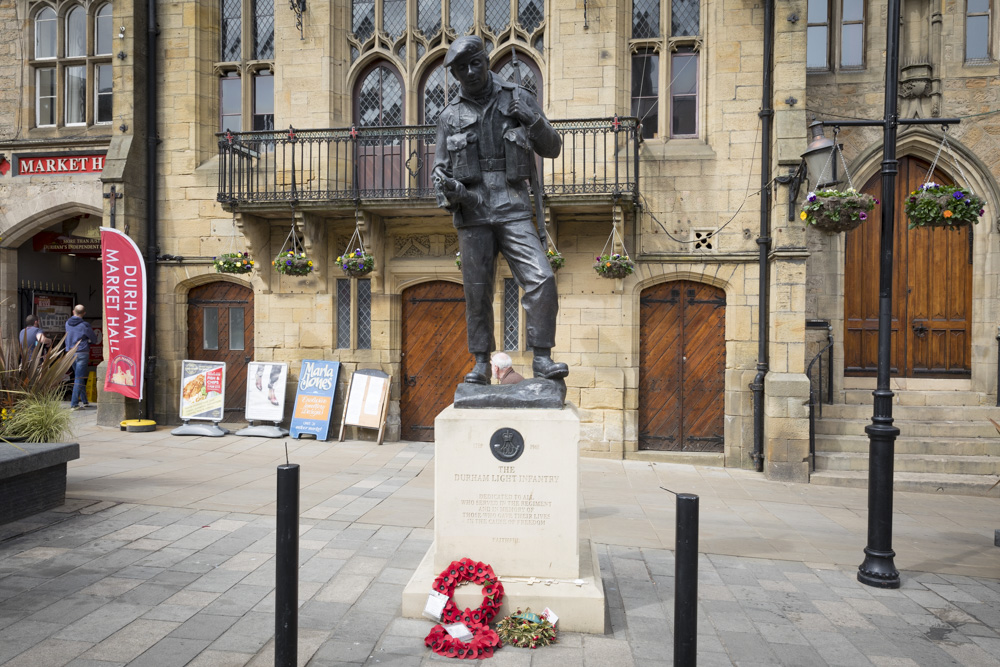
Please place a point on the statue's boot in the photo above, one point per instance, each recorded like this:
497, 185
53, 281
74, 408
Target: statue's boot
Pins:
481, 372
544, 367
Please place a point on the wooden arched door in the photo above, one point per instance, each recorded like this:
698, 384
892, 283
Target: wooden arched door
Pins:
682, 366
931, 290
220, 328
435, 355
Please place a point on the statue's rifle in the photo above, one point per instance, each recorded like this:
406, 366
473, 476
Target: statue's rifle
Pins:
536, 186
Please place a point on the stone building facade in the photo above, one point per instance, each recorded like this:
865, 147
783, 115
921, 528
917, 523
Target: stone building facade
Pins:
660, 361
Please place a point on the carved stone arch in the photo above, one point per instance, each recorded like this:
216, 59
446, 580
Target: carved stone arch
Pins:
923, 143
360, 67
24, 218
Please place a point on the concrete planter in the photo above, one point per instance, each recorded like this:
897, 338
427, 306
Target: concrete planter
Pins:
33, 477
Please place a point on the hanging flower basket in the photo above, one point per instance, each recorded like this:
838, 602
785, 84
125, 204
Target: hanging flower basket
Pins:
556, 260
292, 264
458, 260
614, 265
356, 264
947, 206
233, 262
837, 210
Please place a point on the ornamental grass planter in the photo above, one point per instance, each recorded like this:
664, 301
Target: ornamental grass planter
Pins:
835, 211
943, 206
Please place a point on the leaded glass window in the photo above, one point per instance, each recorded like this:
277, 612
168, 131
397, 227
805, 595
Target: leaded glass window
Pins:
977, 31
394, 18
438, 89
497, 15
263, 37
684, 18
530, 14
462, 16
343, 313
530, 79
363, 24
511, 314
380, 99
645, 19
246, 84
364, 314
429, 17
684, 94
232, 20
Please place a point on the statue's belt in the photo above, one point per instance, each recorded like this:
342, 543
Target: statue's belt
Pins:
492, 164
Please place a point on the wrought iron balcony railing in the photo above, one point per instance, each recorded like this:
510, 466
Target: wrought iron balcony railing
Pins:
600, 156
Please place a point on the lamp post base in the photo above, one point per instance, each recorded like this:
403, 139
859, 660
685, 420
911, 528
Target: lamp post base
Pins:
878, 569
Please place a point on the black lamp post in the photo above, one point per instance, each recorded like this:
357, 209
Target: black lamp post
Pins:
878, 568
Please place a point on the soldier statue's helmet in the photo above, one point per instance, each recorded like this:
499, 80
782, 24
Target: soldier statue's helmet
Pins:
464, 48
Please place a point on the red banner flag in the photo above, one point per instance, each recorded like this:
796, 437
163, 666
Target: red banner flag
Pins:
124, 279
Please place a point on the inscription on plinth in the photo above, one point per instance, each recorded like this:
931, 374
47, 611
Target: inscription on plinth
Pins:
506, 490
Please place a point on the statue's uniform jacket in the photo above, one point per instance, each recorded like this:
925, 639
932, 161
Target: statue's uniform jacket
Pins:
489, 152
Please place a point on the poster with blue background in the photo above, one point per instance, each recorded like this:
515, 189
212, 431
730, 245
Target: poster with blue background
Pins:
314, 398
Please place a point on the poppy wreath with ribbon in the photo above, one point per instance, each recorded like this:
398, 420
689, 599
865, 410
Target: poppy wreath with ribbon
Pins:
484, 640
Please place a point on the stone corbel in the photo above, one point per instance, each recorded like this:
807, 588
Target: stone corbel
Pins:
316, 239
257, 232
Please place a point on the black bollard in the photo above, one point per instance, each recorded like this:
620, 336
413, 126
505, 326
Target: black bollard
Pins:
286, 576
686, 582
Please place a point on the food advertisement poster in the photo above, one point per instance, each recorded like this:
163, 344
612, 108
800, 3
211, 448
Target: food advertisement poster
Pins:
314, 398
266, 391
202, 390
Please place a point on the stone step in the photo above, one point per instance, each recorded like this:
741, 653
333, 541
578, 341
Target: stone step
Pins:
928, 412
914, 463
922, 398
911, 427
913, 445
961, 485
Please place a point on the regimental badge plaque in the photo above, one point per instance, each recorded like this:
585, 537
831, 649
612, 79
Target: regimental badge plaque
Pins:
507, 445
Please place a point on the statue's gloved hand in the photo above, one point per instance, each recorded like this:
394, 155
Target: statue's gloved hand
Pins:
456, 192
522, 110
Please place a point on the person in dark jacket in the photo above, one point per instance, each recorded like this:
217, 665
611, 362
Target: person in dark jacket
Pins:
81, 336
31, 335
487, 138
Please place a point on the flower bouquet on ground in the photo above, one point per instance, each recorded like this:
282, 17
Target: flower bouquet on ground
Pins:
614, 265
292, 264
526, 630
837, 210
556, 260
948, 206
233, 262
357, 263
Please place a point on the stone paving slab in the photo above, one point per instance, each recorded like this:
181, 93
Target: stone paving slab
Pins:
100, 582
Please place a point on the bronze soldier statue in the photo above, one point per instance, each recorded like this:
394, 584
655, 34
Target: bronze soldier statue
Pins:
486, 140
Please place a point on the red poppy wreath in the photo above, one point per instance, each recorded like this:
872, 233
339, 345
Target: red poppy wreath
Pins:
484, 640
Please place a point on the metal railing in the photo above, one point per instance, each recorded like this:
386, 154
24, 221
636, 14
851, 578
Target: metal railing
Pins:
816, 387
600, 156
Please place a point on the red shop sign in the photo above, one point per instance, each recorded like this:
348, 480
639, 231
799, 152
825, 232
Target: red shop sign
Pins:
59, 164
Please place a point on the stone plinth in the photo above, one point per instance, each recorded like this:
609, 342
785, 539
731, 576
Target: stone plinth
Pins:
506, 492
521, 516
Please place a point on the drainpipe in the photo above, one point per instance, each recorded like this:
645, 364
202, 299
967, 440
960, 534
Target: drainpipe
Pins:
151, 197
764, 240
